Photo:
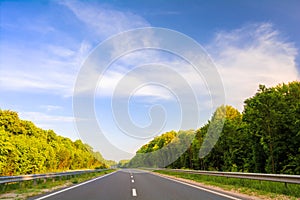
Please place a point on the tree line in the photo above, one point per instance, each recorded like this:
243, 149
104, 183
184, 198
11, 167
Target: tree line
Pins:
264, 138
27, 149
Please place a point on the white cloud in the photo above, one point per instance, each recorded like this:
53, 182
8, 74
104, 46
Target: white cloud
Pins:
104, 20
41, 81
52, 67
151, 74
50, 108
252, 55
61, 124
61, 51
245, 57
40, 117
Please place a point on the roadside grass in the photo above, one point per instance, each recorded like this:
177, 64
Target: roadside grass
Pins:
30, 188
245, 186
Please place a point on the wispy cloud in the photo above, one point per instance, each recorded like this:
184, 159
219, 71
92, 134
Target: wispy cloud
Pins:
251, 55
61, 124
52, 66
245, 57
104, 20
50, 108
40, 117
150, 73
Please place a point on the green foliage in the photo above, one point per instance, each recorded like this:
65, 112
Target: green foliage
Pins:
27, 149
264, 139
273, 119
123, 163
158, 142
162, 150
228, 150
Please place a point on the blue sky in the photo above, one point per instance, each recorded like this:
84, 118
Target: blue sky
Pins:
43, 46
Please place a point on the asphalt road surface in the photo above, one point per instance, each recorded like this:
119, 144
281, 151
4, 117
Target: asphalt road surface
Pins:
133, 184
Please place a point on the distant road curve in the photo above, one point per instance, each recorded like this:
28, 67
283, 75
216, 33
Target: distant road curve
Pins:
134, 184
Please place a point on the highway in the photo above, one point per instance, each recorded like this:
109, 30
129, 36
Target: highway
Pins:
134, 184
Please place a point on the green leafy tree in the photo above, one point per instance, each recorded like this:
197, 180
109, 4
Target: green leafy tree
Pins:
27, 149
273, 119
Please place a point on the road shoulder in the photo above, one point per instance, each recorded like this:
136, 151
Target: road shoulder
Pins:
232, 192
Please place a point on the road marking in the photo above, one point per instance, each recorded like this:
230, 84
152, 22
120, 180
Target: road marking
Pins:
131, 176
200, 188
134, 192
75, 186
132, 181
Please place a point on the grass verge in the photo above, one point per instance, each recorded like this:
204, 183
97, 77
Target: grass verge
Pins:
27, 189
245, 186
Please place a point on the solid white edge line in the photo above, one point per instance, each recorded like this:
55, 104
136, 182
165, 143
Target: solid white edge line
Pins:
75, 186
200, 188
134, 192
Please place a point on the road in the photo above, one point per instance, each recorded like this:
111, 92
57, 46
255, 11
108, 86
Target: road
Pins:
133, 184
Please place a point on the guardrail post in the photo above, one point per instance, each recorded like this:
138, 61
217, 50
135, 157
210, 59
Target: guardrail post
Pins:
20, 184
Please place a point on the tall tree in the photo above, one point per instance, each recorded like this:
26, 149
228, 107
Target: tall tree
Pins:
273, 119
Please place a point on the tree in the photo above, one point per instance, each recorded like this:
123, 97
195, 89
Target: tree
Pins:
273, 119
264, 138
27, 149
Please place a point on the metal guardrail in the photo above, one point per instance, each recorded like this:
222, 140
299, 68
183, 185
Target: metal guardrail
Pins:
284, 178
14, 179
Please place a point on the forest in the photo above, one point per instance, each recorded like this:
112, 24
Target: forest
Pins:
264, 138
27, 149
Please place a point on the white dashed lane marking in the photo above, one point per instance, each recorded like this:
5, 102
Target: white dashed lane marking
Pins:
134, 194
